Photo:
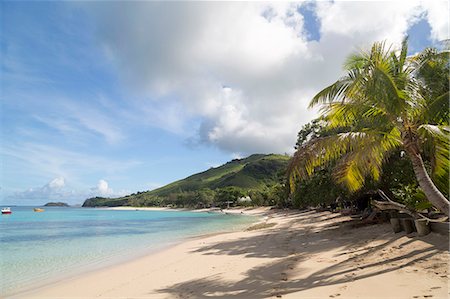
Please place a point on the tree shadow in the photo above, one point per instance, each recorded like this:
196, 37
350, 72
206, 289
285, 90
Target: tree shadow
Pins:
293, 247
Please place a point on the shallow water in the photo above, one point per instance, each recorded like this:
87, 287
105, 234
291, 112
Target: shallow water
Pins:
38, 246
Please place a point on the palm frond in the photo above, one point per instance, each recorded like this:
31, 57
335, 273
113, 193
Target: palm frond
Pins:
355, 61
382, 89
379, 53
350, 114
438, 108
384, 92
353, 169
403, 55
363, 154
317, 152
440, 137
334, 92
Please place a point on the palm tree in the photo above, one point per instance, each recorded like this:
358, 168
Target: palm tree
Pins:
386, 101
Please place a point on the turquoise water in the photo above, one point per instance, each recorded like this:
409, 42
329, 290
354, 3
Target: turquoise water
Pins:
35, 247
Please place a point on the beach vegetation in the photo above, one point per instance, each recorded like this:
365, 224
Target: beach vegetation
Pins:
258, 176
56, 204
387, 102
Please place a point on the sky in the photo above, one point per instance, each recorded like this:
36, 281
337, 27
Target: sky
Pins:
111, 98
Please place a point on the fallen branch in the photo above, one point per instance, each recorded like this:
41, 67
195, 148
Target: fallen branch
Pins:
383, 205
392, 205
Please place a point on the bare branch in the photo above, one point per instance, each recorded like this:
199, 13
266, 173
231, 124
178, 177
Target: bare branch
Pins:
389, 204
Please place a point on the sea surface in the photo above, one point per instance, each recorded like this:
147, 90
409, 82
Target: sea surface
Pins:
41, 247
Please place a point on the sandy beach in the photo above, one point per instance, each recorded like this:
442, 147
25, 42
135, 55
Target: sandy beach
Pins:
302, 255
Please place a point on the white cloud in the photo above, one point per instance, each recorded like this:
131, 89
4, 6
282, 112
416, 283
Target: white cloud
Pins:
438, 16
102, 189
54, 190
246, 70
102, 186
57, 183
377, 20
236, 156
57, 190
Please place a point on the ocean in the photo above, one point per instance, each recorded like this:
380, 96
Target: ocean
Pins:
41, 247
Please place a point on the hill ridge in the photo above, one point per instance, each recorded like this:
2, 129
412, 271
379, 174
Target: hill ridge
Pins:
255, 172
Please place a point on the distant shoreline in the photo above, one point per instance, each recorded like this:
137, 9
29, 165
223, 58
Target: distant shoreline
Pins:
252, 211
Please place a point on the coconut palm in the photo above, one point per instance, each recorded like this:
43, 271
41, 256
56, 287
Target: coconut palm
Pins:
386, 101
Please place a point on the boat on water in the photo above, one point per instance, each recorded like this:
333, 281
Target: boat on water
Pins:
38, 210
6, 211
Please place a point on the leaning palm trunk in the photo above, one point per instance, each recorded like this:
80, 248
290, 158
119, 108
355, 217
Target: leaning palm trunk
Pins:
403, 98
436, 198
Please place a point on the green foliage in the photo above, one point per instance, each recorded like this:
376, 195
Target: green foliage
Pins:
386, 102
397, 172
255, 175
56, 204
104, 202
310, 131
318, 189
259, 197
279, 195
252, 172
412, 196
433, 69
228, 194
322, 188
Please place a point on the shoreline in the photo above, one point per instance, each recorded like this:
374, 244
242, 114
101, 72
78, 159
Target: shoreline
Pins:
250, 211
122, 259
305, 254
84, 270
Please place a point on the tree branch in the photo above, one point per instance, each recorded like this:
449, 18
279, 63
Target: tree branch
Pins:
392, 205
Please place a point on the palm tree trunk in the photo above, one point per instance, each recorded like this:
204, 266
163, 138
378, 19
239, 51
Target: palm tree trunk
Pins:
435, 196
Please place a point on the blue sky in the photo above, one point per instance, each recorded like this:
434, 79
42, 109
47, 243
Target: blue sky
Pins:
113, 98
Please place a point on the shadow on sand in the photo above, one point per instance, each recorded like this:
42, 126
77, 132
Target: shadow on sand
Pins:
293, 247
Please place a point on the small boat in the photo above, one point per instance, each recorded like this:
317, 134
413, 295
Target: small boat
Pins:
6, 211
38, 210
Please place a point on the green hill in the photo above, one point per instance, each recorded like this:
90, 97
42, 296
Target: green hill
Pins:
239, 177
56, 204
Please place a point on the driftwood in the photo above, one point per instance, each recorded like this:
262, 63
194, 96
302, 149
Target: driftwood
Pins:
392, 205
389, 204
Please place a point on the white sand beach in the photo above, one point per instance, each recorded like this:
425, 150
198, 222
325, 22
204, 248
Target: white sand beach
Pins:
304, 255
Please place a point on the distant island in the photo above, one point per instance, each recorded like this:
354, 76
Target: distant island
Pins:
56, 204
257, 178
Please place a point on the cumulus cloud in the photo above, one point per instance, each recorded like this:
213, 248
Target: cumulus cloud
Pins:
57, 190
437, 16
53, 190
244, 71
361, 20
102, 189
